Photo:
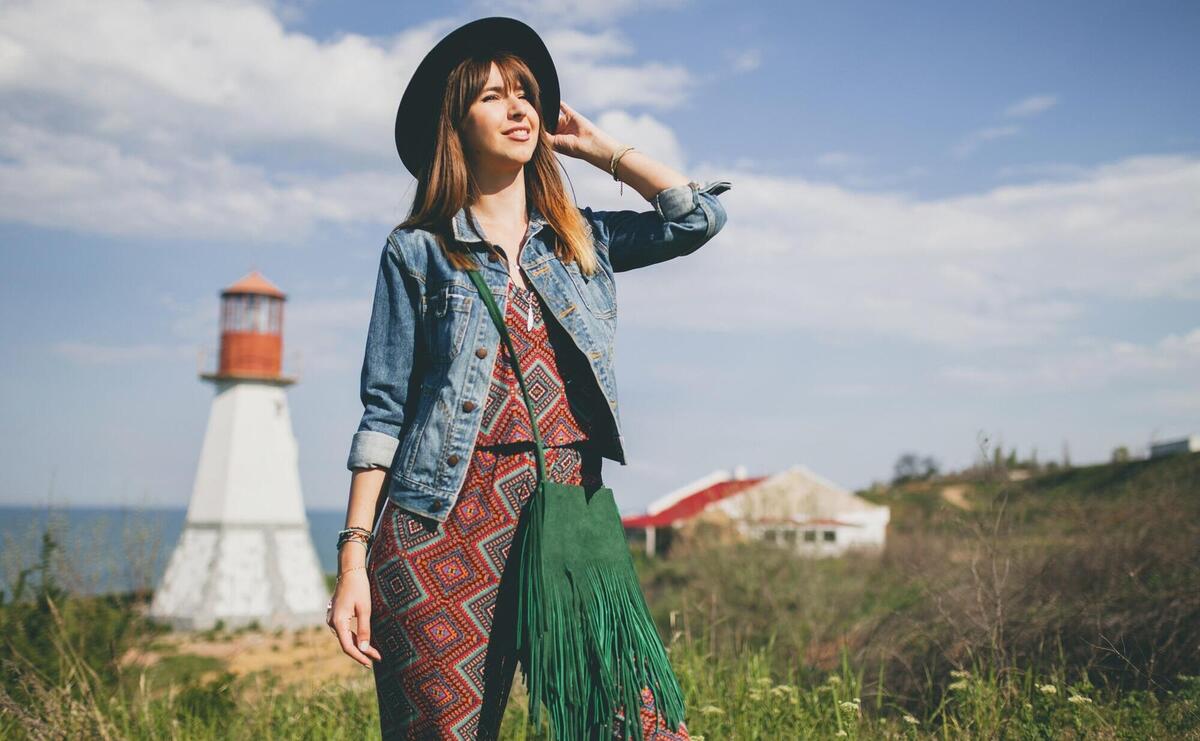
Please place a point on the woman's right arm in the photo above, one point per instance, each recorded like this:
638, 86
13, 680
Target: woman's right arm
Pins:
387, 372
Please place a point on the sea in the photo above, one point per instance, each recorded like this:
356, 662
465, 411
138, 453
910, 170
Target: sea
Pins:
107, 550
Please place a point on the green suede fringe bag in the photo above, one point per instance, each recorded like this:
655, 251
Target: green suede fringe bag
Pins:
585, 639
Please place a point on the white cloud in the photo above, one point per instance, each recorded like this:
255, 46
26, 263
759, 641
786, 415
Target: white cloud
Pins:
975, 139
1007, 267
745, 60
841, 160
1086, 363
1031, 106
91, 353
213, 120
579, 12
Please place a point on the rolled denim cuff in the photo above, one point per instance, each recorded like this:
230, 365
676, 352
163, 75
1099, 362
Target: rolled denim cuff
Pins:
370, 449
672, 203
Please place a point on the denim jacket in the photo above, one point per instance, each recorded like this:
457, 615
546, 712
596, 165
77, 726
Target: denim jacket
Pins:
431, 344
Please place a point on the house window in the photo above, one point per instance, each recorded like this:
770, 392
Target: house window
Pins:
772, 536
810, 536
789, 537
829, 536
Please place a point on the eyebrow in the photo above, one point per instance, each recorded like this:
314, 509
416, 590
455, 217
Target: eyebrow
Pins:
498, 89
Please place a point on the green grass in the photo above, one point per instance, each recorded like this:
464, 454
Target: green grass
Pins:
1062, 607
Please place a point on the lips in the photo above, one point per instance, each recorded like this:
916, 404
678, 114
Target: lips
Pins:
520, 133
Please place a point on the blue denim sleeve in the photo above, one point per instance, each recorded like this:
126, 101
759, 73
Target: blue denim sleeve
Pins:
387, 364
684, 218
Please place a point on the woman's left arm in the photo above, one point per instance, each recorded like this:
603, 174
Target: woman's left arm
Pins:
686, 213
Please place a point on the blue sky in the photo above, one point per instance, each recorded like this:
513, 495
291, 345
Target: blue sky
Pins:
948, 220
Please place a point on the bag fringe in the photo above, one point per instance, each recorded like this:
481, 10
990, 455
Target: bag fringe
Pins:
587, 643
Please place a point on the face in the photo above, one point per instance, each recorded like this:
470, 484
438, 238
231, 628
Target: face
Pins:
500, 129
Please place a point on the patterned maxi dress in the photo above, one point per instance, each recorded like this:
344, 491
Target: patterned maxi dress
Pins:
435, 590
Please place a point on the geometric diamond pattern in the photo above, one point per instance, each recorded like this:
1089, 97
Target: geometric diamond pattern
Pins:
553, 366
434, 585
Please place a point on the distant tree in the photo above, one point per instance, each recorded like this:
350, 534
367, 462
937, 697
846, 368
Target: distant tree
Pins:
1012, 461
1066, 454
912, 467
907, 468
929, 467
1120, 454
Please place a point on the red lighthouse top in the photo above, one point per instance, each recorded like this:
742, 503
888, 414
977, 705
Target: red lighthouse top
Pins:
251, 332
254, 283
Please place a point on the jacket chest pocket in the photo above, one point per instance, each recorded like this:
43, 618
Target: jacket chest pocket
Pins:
447, 316
597, 290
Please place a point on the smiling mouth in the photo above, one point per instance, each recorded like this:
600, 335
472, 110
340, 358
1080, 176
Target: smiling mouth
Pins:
519, 134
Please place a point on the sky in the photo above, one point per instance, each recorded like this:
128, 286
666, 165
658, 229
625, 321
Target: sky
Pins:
952, 226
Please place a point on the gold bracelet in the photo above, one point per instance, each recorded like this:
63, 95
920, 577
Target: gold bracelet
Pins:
612, 165
352, 568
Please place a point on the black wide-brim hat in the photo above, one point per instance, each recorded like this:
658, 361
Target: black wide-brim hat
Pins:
417, 117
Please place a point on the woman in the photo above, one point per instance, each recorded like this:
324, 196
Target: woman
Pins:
444, 431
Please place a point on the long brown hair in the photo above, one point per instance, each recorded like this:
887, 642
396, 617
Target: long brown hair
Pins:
446, 184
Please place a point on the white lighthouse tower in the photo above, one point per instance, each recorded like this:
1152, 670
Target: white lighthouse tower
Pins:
246, 554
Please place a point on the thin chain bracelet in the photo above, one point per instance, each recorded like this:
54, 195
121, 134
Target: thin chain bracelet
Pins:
352, 568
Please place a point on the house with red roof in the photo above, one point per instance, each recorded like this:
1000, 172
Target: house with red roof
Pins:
795, 509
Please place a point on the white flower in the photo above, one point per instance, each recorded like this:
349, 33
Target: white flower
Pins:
847, 705
835, 680
959, 685
1047, 689
840, 733
911, 720
1079, 699
960, 673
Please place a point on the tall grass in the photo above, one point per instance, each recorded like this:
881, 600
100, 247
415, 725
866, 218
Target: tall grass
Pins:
1056, 609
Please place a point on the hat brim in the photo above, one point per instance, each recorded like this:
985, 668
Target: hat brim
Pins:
417, 116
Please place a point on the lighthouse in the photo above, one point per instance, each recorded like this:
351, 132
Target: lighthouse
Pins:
246, 554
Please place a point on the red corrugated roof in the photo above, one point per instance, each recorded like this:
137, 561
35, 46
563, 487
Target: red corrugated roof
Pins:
692, 504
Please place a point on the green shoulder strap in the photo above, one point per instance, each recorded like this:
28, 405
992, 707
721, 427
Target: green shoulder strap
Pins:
486, 293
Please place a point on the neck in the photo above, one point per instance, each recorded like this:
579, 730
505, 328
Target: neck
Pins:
501, 195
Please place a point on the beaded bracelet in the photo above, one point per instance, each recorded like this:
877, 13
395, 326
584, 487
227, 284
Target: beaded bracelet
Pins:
359, 534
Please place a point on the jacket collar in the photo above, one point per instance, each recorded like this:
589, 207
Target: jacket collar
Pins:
466, 226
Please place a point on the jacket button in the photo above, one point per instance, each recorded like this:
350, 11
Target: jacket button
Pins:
453, 459
468, 405
481, 352
435, 505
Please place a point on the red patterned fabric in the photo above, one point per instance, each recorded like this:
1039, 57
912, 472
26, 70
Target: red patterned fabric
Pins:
545, 362
435, 590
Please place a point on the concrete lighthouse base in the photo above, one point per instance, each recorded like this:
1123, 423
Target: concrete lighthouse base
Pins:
242, 574
245, 554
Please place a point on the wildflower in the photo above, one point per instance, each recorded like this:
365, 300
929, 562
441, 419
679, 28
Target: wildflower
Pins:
835, 680
959, 685
847, 705
911, 720
1079, 699
1048, 689
763, 681
840, 733
755, 694
959, 673
711, 710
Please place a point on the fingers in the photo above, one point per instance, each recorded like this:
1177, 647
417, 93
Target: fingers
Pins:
346, 638
364, 633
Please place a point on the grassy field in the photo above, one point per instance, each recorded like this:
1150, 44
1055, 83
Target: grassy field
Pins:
1063, 606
